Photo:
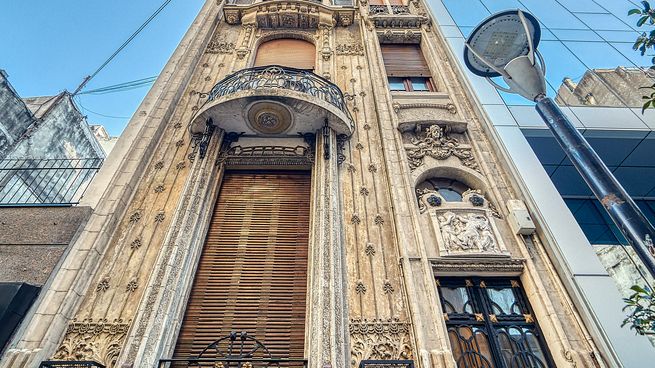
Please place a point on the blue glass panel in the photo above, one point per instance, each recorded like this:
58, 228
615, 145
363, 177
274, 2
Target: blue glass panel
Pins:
576, 35
606, 22
396, 84
582, 6
596, 55
466, 13
553, 15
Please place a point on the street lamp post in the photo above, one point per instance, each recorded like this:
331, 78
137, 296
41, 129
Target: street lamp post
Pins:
505, 45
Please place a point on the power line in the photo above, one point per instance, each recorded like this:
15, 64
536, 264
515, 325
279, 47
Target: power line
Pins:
136, 33
97, 113
125, 86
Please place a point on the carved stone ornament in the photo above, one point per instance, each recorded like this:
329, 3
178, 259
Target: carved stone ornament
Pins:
478, 266
98, 341
220, 47
287, 14
466, 232
435, 143
352, 49
428, 198
379, 340
412, 36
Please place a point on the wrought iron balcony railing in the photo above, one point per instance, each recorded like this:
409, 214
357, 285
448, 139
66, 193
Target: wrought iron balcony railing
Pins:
275, 76
25, 182
386, 364
70, 364
236, 350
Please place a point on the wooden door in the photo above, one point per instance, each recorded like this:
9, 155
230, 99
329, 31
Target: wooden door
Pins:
252, 274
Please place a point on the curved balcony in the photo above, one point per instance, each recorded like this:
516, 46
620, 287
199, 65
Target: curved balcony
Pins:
274, 100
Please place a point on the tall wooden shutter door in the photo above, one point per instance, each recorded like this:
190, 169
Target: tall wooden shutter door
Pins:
252, 274
404, 61
289, 52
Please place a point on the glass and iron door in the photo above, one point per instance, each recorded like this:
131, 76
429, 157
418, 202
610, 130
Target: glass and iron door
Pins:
252, 274
490, 324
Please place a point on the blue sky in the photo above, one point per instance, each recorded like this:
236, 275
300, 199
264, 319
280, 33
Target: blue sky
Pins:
49, 46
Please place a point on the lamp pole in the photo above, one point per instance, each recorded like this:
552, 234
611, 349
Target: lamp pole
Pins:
505, 45
623, 211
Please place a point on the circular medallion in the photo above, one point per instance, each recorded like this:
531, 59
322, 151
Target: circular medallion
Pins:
269, 117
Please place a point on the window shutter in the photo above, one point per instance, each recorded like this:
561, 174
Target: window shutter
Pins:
287, 52
404, 61
252, 274
396, 2
376, 2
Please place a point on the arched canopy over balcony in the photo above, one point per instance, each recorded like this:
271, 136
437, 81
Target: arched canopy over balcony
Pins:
274, 101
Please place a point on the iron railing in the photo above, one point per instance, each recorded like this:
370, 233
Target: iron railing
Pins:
70, 364
25, 182
275, 76
236, 350
386, 364
232, 363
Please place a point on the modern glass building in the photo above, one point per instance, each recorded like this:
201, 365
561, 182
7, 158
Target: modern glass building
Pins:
594, 75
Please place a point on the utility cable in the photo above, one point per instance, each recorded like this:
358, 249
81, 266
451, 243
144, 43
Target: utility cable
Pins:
127, 42
125, 86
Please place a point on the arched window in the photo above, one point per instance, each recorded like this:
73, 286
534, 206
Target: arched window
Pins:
451, 190
288, 52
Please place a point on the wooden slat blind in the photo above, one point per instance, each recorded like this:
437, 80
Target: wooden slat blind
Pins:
252, 274
286, 52
404, 60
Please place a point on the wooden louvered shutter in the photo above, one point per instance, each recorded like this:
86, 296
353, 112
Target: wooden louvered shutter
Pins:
404, 61
252, 274
376, 2
396, 2
289, 52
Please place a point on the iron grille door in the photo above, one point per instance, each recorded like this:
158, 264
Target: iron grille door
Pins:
252, 274
491, 325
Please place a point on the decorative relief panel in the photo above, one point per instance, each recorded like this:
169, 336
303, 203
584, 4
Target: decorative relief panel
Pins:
288, 14
98, 341
380, 340
435, 143
465, 232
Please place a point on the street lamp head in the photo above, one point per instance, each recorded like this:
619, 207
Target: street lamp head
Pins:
505, 45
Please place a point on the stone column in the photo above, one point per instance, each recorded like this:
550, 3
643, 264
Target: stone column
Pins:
154, 332
327, 318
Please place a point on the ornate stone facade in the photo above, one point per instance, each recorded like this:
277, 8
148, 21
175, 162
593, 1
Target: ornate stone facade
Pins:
377, 239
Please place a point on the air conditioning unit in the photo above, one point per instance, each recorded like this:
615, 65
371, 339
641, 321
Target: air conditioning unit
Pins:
519, 218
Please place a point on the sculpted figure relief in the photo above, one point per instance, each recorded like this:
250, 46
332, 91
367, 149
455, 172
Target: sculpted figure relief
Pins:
469, 233
438, 145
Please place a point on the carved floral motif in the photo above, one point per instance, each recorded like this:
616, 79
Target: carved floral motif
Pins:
90, 340
438, 145
379, 340
352, 49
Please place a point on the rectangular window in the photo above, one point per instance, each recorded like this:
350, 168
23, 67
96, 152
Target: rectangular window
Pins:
490, 324
406, 68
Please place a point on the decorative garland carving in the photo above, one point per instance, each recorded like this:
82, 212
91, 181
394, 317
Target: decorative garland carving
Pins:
98, 341
379, 340
451, 108
400, 36
266, 155
438, 145
503, 266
